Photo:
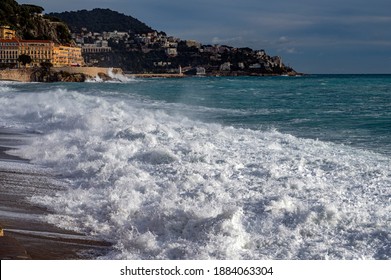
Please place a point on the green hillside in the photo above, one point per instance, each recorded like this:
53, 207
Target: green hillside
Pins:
100, 20
30, 24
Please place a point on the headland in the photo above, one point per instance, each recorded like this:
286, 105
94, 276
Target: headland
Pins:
49, 42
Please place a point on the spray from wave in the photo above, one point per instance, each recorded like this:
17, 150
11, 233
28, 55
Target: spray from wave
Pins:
114, 78
161, 186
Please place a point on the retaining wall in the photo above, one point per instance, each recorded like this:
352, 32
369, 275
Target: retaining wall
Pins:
90, 71
18, 75
24, 75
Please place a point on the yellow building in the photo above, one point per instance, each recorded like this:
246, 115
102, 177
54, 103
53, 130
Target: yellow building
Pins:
9, 51
39, 51
7, 33
67, 56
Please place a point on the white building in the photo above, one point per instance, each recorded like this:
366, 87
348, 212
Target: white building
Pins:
171, 51
225, 66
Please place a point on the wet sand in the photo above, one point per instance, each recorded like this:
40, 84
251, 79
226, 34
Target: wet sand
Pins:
26, 234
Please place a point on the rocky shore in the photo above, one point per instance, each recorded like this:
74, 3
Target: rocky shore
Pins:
63, 74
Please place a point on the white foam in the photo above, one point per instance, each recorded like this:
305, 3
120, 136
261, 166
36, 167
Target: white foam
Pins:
5, 88
166, 187
114, 78
96, 79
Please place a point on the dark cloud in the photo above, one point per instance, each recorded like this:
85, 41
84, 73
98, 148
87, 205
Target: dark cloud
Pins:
312, 36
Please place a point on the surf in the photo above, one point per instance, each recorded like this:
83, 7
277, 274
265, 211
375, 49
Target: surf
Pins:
161, 185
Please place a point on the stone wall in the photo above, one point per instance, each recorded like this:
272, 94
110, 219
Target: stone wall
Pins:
88, 71
26, 75
18, 75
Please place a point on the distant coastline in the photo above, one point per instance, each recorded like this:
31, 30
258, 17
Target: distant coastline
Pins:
82, 74
78, 39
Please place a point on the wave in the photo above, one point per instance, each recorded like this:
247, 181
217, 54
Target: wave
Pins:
5, 87
163, 186
114, 78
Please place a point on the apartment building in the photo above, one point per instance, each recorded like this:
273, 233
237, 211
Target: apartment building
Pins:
67, 56
7, 33
40, 51
9, 51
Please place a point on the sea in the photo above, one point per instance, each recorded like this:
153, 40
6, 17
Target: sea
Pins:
239, 168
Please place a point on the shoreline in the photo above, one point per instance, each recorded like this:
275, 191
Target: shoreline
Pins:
26, 234
167, 75
57, 74
156, 75
80, 74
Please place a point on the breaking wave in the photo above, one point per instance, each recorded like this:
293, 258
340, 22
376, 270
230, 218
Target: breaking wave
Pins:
163, 186
114, 78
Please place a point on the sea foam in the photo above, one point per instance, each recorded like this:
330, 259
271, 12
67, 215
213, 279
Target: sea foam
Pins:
114, 78
163, 186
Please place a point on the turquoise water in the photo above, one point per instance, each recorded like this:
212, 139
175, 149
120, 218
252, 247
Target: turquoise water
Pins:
350, 109
221, 168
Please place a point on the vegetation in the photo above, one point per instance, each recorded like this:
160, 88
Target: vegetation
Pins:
132, 52
32, 9
9, 9
101, 20
25, 59
29, 24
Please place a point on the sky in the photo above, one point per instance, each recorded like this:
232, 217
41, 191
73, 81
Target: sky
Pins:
312, 36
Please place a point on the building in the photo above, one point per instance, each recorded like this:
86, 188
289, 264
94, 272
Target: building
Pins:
9, 52
40, 51
95, 48
172, 52
9, 47
193, 43
277, 61
67, 56
200, 71
7, 33
225, 66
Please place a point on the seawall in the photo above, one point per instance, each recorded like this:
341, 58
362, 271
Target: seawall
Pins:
27, 75
18, 75
88, 71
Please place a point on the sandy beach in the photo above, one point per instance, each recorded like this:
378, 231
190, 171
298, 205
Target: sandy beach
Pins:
26, 235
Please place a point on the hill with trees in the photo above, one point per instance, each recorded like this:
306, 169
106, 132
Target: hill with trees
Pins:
30, 24
137, 48
101, 20
112, 39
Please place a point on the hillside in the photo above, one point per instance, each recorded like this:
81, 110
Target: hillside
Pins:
136, 47
100, 20
29, 24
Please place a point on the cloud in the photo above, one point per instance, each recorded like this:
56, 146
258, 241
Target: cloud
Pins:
283, 39
298, 30
290, 50
217, 40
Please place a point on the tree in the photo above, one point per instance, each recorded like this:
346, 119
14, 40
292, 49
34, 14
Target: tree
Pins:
25, 59
63, 33
32, 9
46, 65
8, 8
